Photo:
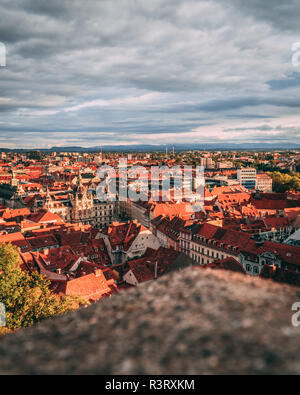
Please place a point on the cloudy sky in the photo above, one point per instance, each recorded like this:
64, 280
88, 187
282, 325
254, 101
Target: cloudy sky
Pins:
98, 72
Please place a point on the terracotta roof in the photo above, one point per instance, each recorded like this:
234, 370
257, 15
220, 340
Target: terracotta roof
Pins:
91, 287
8, 214
273, 201
16, 239
287, 253
224, 238
44, 216
42, 241
227, 264
276, 222
123, 234
279, 275
144, 268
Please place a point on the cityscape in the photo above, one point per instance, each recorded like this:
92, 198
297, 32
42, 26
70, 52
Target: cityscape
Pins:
149, 211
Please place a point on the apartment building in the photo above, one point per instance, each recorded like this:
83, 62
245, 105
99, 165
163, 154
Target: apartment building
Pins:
264, 183
247, 177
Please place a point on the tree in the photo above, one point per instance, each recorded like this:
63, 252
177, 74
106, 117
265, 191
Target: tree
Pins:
285, 182
27, 297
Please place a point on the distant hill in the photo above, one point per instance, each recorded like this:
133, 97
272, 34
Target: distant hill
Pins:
162, 147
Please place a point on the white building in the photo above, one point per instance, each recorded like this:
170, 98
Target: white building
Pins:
247, 177
264, 183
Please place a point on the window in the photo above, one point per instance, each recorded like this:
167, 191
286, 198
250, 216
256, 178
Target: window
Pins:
248, 268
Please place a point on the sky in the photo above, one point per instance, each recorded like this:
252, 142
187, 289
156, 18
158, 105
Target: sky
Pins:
101, 72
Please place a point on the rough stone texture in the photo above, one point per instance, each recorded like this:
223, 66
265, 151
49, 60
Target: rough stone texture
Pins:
190, 322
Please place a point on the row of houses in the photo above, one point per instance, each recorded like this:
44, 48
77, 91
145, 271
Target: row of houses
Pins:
207, 243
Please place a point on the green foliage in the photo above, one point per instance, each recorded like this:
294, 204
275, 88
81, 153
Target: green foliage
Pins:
285, 182
237, 164
27, 297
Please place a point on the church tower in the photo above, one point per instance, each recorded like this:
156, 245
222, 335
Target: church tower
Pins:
48, 200
14, 182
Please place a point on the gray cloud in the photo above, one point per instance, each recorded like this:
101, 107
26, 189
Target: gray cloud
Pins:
132, 71
282, 15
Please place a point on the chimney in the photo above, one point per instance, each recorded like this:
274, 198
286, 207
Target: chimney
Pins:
58, 271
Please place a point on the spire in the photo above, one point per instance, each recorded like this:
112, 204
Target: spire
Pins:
80, 191
48, 200
48, 196
13, 182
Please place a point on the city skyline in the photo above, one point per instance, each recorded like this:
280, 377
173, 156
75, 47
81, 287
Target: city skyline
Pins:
95, 74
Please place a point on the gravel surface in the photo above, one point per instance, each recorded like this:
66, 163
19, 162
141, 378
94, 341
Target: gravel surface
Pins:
190, 322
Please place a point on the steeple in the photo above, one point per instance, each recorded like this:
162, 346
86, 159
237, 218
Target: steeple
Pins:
80, 190
48, 196
48, 200
13, 182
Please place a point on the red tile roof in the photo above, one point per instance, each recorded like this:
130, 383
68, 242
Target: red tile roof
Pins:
91, 287
286, 252
227, 264
44, 216
276, 222
153, 262
43, 241
16, 239
8, 214
123, 234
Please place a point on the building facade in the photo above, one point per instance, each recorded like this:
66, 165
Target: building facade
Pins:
264, 183
82, 206
247, 177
